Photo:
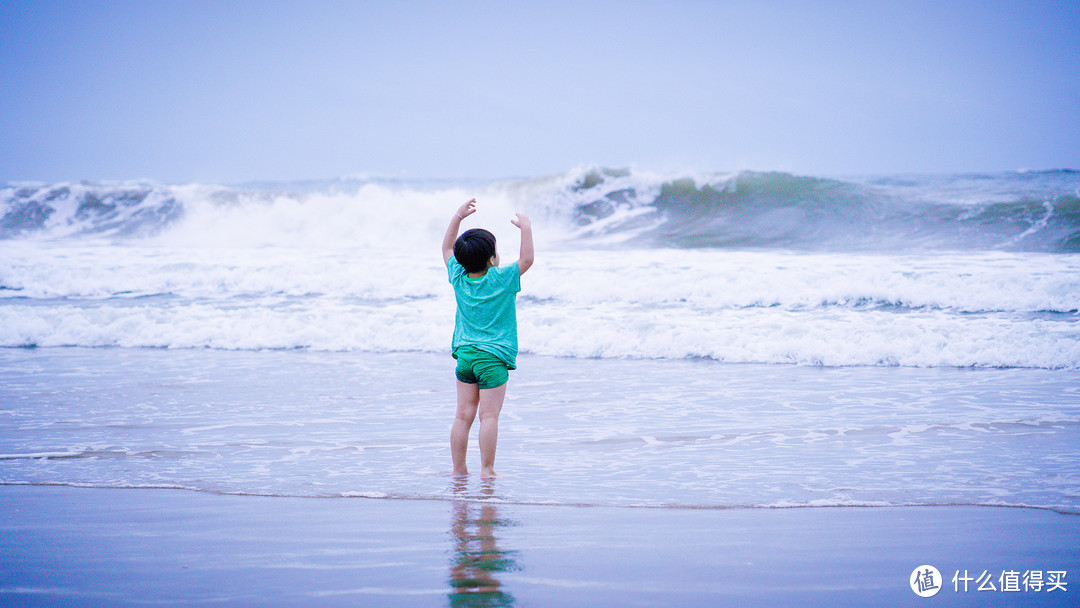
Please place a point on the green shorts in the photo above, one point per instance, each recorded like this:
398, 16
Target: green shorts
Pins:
475, 366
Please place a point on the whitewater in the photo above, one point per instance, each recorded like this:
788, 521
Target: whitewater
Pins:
923, 271
742, 340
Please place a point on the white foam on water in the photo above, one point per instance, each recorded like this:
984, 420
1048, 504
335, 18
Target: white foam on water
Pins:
967, 309
860, 401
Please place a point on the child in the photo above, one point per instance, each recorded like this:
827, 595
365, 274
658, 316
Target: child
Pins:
485, 330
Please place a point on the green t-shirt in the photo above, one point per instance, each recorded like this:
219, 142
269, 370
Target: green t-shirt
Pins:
486, 316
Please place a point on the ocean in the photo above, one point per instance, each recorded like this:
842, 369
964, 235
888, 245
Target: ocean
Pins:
689, 340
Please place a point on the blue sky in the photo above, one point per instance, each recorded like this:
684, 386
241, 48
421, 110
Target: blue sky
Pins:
236, 91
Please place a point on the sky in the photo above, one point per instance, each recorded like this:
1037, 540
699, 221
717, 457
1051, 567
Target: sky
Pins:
230, 91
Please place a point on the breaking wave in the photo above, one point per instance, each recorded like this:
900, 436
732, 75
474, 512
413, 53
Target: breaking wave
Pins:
1034, 211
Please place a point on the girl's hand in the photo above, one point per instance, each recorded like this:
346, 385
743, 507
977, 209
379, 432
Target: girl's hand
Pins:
522, 221
467, 209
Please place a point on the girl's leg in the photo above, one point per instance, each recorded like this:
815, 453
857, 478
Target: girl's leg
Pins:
468, 398
490, 404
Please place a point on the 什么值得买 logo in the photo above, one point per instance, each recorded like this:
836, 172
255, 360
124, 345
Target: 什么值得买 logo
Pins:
925, 581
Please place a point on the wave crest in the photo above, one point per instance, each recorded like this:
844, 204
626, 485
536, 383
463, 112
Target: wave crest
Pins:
771, 209
78, 209
1033, 211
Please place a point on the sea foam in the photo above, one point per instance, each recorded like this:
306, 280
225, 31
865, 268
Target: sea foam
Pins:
743, 267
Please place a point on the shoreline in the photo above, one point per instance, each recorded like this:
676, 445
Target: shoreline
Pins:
607, 432
493, 500
562, 359
71, 546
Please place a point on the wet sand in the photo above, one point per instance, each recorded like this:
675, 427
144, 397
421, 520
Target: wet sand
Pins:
70, 546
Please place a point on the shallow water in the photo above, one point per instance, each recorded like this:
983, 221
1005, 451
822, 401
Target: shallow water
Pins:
933, 309
688, 340
911, 271
658, 433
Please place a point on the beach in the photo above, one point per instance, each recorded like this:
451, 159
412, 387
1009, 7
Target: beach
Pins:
64, 546
627, 433
788, 295
749, 388
202, 477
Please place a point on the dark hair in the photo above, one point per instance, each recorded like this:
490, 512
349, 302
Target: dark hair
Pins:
474, 248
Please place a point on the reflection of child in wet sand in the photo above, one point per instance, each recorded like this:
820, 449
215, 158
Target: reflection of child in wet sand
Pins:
477, 559
485, 330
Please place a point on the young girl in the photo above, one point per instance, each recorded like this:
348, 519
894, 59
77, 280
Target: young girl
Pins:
485, 330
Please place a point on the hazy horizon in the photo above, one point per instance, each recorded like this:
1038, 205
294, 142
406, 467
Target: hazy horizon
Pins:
237, 92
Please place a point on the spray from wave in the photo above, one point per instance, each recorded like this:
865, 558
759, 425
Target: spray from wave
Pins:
972, 270
1035, 211
751, 209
